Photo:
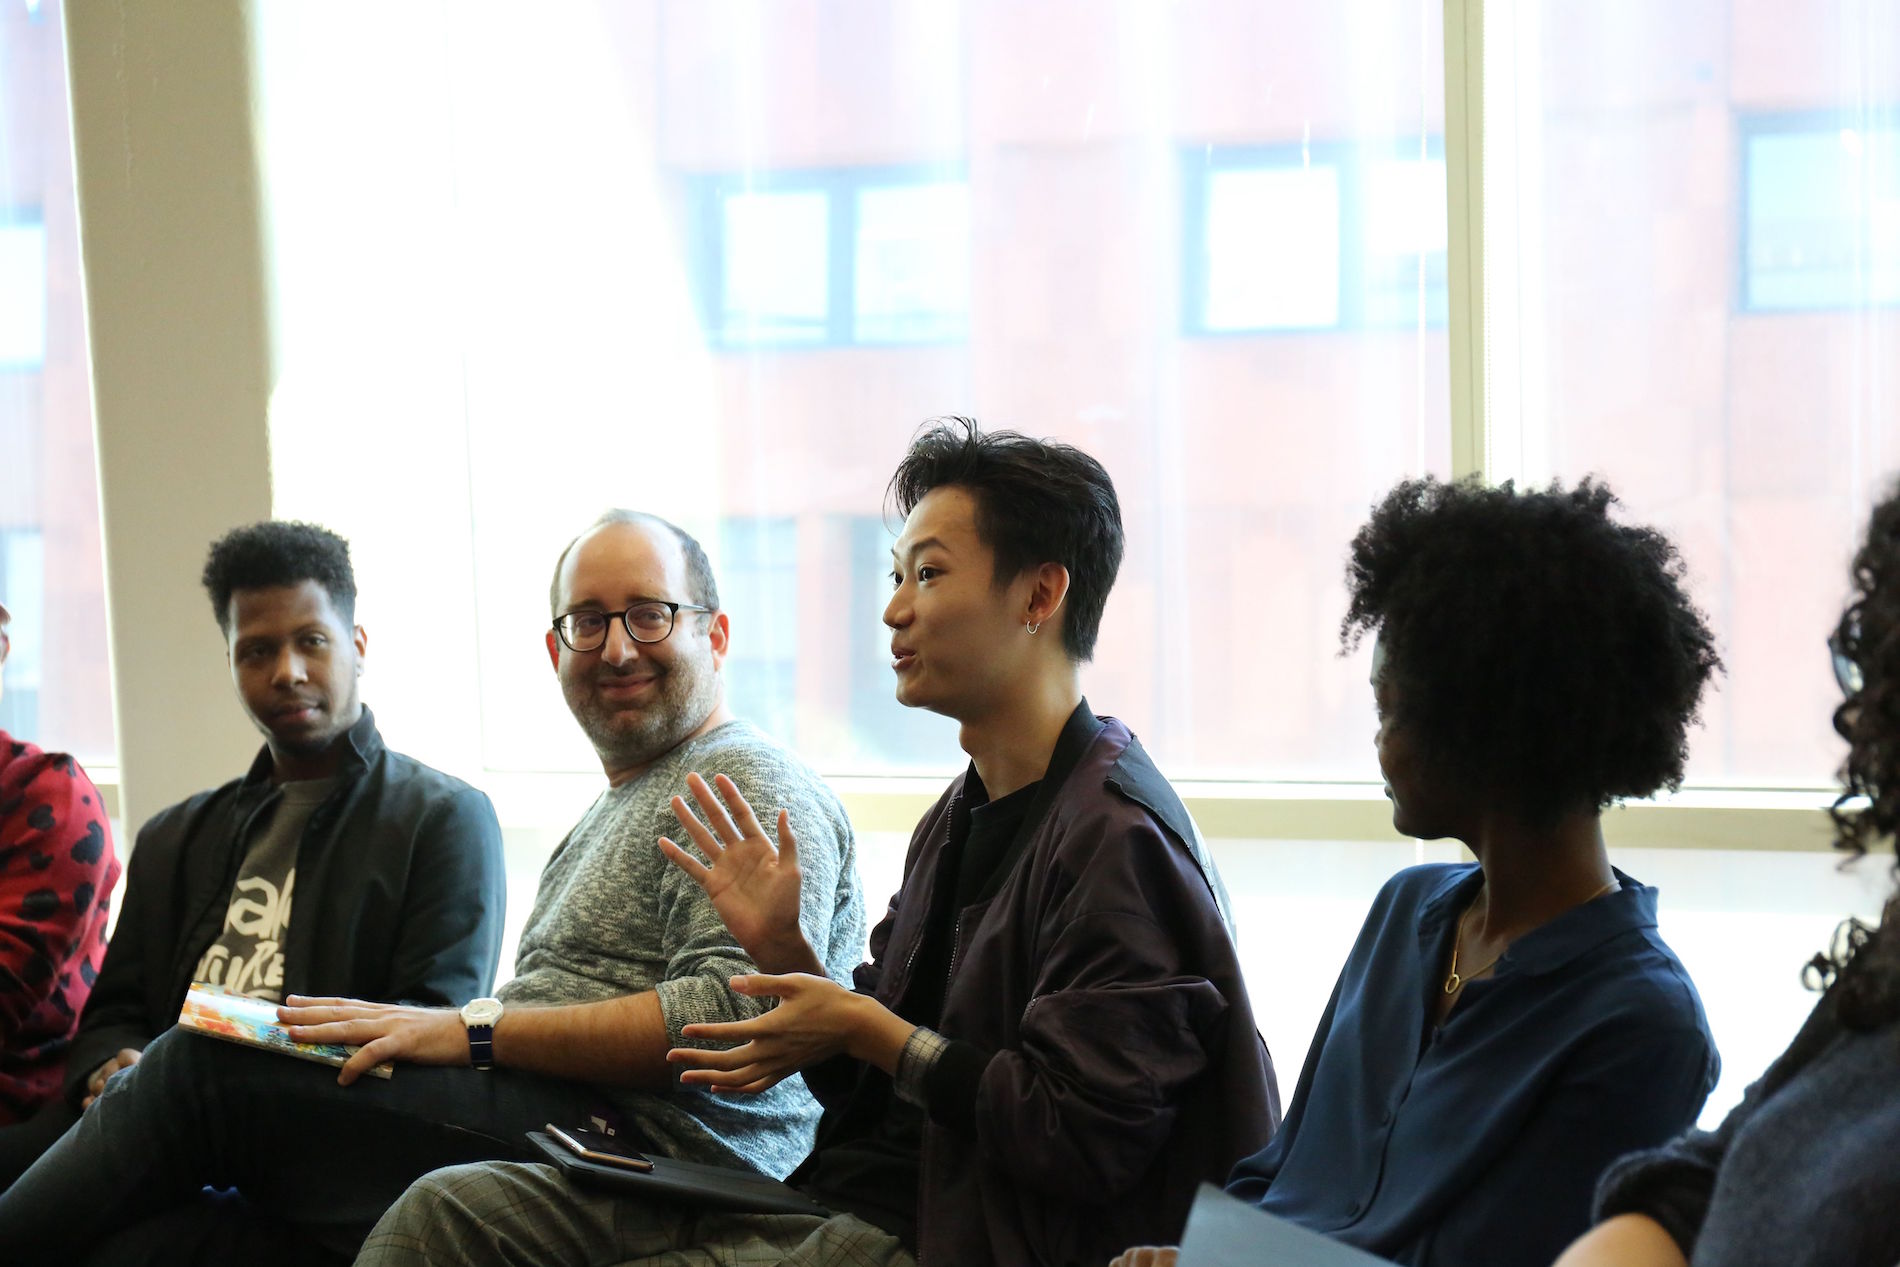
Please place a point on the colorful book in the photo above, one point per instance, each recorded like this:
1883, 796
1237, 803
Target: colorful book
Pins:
253, 1022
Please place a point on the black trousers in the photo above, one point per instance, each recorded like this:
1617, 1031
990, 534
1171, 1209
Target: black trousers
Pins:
22, 1143
317, 1163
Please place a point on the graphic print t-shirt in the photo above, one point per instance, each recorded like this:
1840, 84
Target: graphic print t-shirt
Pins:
248, 956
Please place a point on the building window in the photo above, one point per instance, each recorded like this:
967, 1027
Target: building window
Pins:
23, 590
22, 293
1289, 238
1272, 249
887, 734
1404, 236
912, 271
847, 256
1821, 214
758, 586
775, 273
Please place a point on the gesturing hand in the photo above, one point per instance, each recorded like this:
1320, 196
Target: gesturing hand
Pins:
753, 884
816, 1019
96, 1084
383, 1031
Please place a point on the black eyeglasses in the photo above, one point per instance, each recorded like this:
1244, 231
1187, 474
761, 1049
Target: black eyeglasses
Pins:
1846, 671
644, 622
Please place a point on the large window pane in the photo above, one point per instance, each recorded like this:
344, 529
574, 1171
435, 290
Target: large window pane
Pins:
720, 260
58, 688
1695, 263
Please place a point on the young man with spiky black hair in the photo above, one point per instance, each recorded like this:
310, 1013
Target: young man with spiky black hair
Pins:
395, 869
1051, 1046
1504, 1028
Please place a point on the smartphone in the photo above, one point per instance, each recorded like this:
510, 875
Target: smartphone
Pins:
597, 1146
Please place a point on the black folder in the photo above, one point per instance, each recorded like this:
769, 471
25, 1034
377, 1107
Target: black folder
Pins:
682, 1182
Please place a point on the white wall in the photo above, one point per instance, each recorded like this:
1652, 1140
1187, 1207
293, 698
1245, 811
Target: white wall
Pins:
169, 232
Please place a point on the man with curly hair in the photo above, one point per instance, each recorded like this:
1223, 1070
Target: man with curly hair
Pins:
332, 865
1801, 1173
1503, 1029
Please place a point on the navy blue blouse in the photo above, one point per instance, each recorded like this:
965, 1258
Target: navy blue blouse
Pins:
1481, 1140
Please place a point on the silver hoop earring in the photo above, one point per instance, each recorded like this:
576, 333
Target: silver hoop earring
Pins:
1029, 628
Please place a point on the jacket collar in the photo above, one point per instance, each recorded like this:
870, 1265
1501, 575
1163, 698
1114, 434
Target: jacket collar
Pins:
1078, 735
1554, 945
362, 744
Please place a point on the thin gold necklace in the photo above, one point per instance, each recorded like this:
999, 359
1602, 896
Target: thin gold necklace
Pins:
1455, 983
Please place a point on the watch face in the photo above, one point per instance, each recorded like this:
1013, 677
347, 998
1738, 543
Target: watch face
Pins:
481, 1012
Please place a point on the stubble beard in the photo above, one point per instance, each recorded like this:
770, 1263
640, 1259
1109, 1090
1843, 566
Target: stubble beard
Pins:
682, 699
334, 710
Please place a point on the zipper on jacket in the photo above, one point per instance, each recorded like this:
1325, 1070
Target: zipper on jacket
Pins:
923, 1148
956, 953
917, 948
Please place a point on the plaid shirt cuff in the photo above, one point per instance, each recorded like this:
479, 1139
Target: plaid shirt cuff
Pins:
920, 1055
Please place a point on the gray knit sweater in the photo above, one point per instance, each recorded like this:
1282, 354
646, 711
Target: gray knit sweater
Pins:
1801, 1174
614, 917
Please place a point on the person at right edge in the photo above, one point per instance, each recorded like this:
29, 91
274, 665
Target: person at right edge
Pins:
1503, 1030
1802, 1173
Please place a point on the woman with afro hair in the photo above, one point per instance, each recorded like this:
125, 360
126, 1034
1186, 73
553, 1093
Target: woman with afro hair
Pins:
1504, 1029
1803, 1172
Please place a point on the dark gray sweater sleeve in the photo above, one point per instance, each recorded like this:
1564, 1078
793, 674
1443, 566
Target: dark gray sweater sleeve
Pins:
1673, 1184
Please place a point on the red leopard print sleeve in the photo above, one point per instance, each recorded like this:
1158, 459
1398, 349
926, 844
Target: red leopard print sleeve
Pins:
57, 870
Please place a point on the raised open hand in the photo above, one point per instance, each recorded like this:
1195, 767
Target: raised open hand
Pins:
753, 883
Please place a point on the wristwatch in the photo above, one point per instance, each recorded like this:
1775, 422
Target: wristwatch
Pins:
480, 1016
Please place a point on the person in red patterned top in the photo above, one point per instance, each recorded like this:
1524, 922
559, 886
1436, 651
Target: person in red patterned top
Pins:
57, 870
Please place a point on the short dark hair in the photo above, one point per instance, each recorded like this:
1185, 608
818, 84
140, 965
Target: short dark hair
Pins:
1037, 502
1542, 652
279, 552
700, 586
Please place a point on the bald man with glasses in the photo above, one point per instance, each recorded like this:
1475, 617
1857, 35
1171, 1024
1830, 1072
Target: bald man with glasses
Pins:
621, 952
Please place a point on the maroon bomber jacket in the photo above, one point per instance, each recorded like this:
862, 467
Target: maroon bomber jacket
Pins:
1125, 1066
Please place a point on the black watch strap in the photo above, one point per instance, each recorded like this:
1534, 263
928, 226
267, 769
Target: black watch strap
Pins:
481, 1046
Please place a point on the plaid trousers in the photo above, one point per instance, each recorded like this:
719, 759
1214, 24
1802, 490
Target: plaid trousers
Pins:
518, 1214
